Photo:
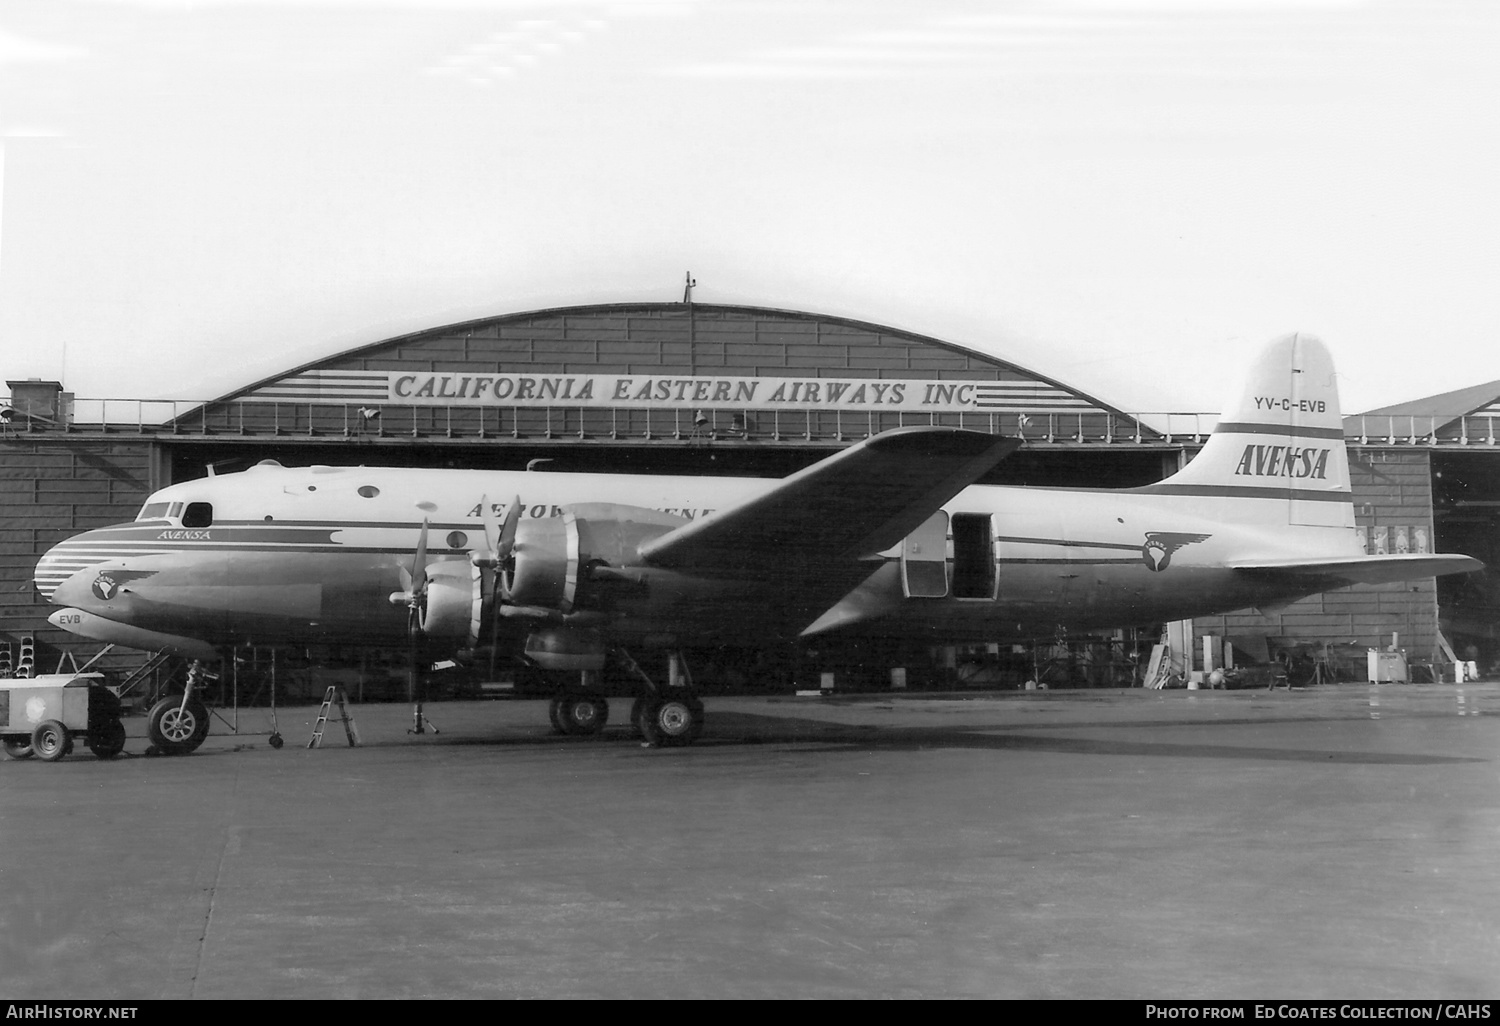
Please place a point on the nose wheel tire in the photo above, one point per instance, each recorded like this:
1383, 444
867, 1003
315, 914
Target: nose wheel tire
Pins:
174, 728
669, 722
50, 741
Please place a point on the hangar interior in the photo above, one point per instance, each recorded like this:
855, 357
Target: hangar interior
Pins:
699, 389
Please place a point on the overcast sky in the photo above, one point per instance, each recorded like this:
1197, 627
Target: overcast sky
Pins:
1123, 194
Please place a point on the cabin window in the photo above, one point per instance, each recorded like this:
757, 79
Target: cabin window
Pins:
198, 514
152, 511
973, 556
369, 491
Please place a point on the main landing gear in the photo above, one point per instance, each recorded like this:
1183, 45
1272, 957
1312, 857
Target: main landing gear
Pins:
578, 715
664, 717
668, 721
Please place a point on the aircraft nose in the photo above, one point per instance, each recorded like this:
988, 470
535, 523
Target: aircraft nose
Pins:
62, 562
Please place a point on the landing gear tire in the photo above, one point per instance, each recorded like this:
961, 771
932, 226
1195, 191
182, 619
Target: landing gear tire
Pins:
670, 722
274, 741
17, 749
581, 715
50, 740
554, 716
108, 740
176, 729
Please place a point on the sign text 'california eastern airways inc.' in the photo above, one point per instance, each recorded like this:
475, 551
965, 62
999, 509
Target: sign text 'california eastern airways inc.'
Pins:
645, 391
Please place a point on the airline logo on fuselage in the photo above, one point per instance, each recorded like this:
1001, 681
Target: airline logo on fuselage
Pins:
1157, 552
109, 582
1283, 461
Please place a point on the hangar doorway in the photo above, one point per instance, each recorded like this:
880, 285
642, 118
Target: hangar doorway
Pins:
1466, 514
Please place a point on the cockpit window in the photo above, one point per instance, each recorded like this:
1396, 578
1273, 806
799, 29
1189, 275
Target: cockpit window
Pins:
198, 514
152, 511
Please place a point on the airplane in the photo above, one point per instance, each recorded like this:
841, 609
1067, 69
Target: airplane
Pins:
890, 538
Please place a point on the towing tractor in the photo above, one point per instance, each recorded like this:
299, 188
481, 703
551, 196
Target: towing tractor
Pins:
42, 716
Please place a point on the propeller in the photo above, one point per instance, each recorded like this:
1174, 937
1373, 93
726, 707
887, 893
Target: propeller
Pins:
414, 596
414, 581
499, 543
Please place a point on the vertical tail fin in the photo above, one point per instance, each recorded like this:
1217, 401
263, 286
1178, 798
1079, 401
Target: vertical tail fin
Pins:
1278, 449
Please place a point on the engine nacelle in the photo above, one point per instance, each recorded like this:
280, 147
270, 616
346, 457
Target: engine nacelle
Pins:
545, 572
554, 557
563, 649
455, 602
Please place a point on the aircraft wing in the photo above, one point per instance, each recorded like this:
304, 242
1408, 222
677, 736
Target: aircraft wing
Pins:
1367, 569
853, 504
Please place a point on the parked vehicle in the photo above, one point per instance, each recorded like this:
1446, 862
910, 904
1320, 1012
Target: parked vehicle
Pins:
42, 716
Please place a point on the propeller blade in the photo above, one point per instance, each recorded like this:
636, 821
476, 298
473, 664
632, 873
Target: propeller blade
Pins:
419, 565
491, 525
508, 529
506, 547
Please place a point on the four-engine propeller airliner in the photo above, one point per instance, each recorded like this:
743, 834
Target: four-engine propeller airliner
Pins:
889, 538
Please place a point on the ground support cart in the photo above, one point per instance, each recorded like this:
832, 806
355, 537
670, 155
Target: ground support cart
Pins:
42, 716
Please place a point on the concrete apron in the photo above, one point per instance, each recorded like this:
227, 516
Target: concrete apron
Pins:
1330, 842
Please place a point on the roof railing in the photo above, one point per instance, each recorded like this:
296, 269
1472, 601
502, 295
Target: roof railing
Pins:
198, 419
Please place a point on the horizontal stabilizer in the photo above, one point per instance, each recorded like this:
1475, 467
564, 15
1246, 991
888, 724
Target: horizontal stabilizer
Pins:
853, 504
1366, 569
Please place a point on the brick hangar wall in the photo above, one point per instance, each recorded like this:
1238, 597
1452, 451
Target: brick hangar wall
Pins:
51, 489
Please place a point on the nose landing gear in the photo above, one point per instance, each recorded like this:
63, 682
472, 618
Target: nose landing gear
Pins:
177, 724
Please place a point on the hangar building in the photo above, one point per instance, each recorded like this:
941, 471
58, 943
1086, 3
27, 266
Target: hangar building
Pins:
694, 388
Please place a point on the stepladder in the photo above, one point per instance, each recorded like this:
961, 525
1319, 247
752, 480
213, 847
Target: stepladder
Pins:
331, 697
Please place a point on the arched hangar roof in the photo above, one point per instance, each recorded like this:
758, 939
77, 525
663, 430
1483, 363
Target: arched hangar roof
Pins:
657, 341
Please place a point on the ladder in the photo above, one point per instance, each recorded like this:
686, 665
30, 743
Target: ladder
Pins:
334, 694
26, 663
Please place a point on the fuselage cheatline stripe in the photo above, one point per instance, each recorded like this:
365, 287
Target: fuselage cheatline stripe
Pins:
1244, 492
1286, 430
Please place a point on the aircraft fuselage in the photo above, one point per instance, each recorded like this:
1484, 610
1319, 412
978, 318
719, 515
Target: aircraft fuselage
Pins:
303, 555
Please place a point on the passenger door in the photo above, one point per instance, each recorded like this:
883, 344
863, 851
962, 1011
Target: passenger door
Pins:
924, 559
